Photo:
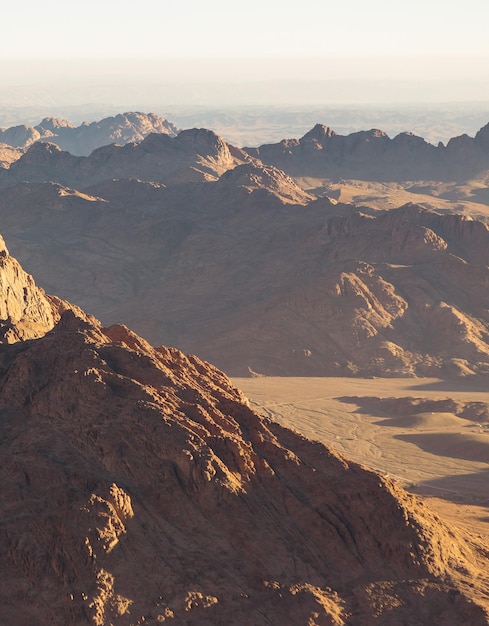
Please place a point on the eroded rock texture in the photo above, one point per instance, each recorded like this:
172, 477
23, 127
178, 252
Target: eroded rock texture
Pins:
139, 487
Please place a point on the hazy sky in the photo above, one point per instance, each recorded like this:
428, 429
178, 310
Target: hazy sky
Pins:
110, 29
243, 41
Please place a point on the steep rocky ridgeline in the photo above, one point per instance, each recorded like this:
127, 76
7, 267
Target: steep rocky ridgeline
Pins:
82, 140
26, 312
138, 486
194, 155
372, 155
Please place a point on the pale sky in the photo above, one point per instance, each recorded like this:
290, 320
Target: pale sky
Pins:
251, 40
251, 29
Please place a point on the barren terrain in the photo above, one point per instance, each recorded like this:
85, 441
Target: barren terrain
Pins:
436, 454
469, 197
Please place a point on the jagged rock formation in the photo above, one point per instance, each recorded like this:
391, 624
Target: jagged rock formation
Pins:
82, 140
138, 486
20, 136
26, 312
193, 155
372, 155
8, 155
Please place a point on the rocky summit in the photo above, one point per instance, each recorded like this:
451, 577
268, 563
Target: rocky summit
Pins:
139, 487
372, 155
82, 140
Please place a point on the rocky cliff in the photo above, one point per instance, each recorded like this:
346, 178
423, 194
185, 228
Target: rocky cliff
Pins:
139, 487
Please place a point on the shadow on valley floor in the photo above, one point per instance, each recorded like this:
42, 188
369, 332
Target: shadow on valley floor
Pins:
467, 488
471, 446
477, 384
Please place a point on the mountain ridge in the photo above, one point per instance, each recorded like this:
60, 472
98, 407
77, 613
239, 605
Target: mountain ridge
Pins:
140, 486
192, 155
372, 155
83, 139
254, 275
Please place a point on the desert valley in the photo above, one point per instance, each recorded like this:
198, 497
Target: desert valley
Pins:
342, 281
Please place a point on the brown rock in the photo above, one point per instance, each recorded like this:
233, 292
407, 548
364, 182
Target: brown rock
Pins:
137, 485
157, 158
8, 155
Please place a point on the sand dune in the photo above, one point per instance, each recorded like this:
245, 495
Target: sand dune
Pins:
425, 421
473, 446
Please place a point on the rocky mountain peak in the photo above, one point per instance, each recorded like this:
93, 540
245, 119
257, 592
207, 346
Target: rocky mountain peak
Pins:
53, 124
40, 150
482, 137
206, 142
83, 139
25, 311
257, 177
320, 133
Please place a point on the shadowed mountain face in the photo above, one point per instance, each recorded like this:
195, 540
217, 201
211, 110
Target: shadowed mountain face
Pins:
195, 243
372, 155
138, 485
82, 140
250, 273
192, 156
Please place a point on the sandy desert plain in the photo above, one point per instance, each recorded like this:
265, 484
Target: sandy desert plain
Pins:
437, 455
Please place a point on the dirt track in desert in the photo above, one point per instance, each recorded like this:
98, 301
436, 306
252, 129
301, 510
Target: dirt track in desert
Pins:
437, 455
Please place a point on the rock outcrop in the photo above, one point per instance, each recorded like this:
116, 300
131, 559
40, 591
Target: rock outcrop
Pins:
26, 312
138, 486
8, 155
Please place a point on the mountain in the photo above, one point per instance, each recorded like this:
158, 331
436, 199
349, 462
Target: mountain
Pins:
26, 312
194, 243
372, 155
252, 274
82, 140
193, 155
8, 155
139, 486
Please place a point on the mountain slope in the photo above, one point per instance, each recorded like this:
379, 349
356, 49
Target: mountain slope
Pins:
250, 273
138, 486
26, 312
193, 155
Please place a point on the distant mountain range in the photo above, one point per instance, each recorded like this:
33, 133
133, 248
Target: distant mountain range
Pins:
198, 244
372, 155
191, 156
83, 139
